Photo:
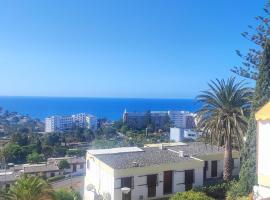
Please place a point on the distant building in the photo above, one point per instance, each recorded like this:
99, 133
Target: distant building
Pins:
139, 120
180, 134
42, 170
182, 119
179, 119
77, 164
155, 171
64, 123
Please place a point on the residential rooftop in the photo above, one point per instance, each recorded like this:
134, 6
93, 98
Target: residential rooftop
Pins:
151, 155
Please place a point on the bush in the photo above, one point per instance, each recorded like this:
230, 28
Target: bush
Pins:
191, 195
55, 178
235, 192
217, 190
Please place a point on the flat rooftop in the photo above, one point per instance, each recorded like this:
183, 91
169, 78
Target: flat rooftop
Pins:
148, 156
153, 154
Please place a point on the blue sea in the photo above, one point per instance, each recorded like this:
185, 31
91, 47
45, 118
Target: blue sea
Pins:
110, 108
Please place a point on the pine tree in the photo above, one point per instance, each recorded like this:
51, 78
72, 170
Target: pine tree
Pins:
261, 96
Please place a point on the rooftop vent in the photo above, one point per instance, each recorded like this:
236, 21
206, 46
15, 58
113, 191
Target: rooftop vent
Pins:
135, 164
182, 154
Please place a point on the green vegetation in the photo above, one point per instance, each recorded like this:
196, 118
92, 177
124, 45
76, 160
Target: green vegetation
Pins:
261, 96
35, 158
63, 164
35, 188
55, 178
223, 116
191, 195
29, 188
67, 195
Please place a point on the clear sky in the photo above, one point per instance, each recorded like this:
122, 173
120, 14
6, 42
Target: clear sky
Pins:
119, 48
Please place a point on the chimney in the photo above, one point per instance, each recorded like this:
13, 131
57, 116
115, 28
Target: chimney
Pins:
181, 154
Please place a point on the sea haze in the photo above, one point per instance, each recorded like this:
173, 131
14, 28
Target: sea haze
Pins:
110, 108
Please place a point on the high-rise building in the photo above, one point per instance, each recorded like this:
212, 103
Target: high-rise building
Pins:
179, 119
64, 123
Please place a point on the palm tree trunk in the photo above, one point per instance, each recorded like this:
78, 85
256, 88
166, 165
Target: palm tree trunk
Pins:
228, 160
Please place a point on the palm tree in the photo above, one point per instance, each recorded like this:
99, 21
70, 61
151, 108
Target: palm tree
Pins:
223, 116
30, 188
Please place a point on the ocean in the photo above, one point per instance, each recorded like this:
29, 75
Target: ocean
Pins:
110, 108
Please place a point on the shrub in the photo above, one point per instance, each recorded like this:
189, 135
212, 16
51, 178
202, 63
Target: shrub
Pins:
235, 192
191, 195
217, 190
55, 178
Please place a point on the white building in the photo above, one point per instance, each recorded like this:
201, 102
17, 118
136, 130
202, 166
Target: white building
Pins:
63, 123
262, 190
180, 134
152, 172
182, 119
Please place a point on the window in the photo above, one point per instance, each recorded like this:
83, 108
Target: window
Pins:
214, 168
189, 179
152, 184
127, 182
52, 174
81, 166
88, 164
167, 182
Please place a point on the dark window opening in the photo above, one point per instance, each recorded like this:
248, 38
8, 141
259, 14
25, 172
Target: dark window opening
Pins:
52, 174
189, 179
152, 185
214, 168
167, 182
127, 182
205, 170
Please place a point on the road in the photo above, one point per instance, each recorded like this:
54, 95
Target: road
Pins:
77, 183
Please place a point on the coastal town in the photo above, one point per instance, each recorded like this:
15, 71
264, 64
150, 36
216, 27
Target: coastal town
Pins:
134, 100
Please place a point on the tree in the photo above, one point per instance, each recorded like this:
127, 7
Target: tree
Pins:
30, 188
258, 36
63, 164
261, 96
190, 195
223, 116
13, 153
35, 157
67, 195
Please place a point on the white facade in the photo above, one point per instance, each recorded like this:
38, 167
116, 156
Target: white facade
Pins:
180, 118
103, 179
63, 123
180, 134
262, 191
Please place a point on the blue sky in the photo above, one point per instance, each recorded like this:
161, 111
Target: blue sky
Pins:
119, 48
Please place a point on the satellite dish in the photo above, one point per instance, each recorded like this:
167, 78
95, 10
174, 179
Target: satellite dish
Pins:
125, 190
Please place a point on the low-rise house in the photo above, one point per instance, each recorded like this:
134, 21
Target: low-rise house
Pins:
262, 190
152, 172
77, 164
7, 178
44, 170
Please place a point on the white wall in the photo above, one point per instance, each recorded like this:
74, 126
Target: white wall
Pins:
140, 184
264, 148
102, 180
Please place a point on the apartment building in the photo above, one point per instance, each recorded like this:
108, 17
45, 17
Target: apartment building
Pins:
64, 123
152, 172
262, 190
179, 119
